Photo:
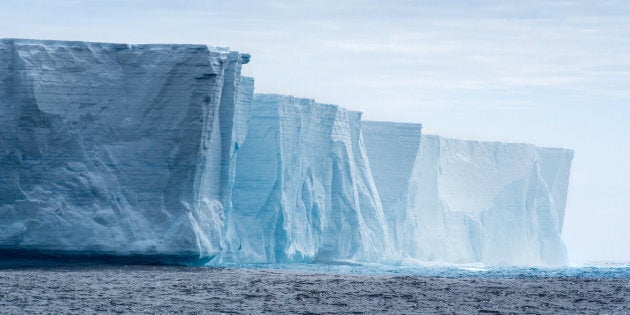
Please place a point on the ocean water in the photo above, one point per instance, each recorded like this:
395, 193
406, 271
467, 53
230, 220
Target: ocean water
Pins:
314, 289
585, 270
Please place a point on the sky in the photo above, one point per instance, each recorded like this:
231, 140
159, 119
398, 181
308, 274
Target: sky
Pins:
551, 73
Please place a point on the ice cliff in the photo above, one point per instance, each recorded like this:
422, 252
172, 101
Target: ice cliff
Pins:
114, 148
393, 149
303, 189
164, 154
470, 201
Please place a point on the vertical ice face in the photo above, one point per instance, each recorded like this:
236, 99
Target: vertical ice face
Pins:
393, 149
470, 201
491, 200
113, 149
164, 152
239, 124
303, 189
555, 168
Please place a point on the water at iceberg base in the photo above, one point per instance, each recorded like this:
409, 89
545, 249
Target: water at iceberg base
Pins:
163, 154
591, 270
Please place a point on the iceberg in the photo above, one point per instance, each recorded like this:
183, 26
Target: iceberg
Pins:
303, 189
164, 154
112, 149
470, 201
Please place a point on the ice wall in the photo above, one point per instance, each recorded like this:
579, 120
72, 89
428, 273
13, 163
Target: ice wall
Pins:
392, 150
470, 201
114, 149
240, 124
162, 153
555, 168
303, 189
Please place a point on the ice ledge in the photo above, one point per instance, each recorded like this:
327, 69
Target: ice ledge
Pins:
243, 58
64, 43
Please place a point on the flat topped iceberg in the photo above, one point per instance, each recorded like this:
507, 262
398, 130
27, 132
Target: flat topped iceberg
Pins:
113, 148
303, 189
163, 154
471, 201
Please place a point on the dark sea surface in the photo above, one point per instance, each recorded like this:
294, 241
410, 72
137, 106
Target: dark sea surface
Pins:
320, 289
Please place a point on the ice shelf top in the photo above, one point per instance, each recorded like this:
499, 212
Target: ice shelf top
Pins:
65, 44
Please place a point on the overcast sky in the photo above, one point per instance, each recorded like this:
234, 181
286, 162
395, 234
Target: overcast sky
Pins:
552, 73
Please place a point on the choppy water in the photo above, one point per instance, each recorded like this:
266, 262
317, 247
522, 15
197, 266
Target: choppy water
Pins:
315, 289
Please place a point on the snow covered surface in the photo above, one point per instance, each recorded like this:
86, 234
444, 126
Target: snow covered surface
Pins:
163, 153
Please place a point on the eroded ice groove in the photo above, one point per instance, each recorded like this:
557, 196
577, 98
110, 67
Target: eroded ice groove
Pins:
470, 201
113, 148
240, 121
303, 189
392, 150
